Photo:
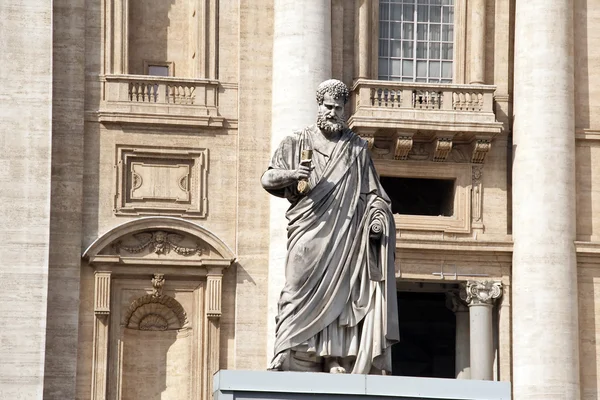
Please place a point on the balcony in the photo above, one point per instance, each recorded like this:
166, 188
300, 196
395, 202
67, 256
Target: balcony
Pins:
137, 99
398, 114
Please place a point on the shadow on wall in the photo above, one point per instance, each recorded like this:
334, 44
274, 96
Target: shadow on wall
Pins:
155, 364
149, 23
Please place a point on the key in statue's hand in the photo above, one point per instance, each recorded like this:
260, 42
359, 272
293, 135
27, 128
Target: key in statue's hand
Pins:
302, 172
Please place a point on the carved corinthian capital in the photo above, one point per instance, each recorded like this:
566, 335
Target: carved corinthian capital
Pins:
476, 293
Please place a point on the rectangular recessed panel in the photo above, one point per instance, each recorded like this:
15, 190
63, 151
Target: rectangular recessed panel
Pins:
153, 181
159, 181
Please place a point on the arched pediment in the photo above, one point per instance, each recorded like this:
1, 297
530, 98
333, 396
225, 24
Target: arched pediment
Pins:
159, 240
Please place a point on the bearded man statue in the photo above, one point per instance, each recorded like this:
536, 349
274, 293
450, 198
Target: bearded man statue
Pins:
338, 310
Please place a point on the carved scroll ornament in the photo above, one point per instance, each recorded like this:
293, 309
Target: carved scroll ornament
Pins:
480, 293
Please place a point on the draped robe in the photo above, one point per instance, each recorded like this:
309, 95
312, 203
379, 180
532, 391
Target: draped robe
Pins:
339, 299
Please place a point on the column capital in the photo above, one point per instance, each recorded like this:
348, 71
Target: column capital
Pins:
480, 293
455, 303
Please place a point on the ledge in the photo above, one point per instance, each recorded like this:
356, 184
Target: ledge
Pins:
140, 99
230, 385
455, 245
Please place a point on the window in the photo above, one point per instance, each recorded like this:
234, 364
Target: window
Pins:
157, 68
417, 196
416, 40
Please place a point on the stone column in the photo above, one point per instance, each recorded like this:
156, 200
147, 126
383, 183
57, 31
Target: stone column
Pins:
480, 297
26, 28
362, 36
544, 281
462, 363
301, 60
477, 35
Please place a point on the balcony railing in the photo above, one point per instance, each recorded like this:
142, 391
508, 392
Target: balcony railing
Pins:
160, 100
438, 98
409, 106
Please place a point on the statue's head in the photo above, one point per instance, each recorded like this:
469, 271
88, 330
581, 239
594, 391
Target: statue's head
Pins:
332, 96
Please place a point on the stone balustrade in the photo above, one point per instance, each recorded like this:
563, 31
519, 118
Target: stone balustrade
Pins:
423, 96
399, 114
160, 100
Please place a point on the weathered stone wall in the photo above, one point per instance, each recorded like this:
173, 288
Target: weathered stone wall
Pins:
66, 202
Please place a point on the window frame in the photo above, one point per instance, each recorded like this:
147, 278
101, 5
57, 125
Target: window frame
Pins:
460, 29
410, 45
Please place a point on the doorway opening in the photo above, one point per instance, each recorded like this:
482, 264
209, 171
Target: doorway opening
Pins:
427, 346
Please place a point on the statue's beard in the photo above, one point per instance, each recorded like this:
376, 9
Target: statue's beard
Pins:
334, 125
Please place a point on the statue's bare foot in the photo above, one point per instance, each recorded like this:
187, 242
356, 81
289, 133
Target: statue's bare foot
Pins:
333, 366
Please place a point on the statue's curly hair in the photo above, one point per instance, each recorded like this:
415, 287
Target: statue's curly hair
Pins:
337, 89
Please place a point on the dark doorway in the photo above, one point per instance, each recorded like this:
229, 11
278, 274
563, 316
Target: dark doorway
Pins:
427, 336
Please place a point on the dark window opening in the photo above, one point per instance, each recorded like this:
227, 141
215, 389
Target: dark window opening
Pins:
416, 196
158, 70
427, 336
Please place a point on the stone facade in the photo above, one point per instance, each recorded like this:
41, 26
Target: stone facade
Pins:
113, 177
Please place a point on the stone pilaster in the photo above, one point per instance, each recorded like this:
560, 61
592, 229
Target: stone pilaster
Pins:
480, 297
544, 280
301, 60
462, 361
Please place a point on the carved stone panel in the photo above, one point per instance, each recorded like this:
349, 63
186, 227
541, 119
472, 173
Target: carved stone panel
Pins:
158, 181
159, 244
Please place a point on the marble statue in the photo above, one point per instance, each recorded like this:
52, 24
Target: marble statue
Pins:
338, 310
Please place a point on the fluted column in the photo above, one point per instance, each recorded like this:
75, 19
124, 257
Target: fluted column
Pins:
301, 60
480, 297
477, 36
462, 361
544, 297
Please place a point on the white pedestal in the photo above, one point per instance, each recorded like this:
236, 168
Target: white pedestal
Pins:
267, 385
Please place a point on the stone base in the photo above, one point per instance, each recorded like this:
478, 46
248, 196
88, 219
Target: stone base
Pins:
259, 385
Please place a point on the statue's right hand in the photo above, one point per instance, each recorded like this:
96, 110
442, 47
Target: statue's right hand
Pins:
302, 172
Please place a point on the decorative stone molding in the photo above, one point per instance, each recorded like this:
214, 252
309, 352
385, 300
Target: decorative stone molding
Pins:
480, 149
155, 312
152, 180
158, 282
403, 146
159, 242
102, 293
480, 293
476, 184
443, 146
154, 256
213, 295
